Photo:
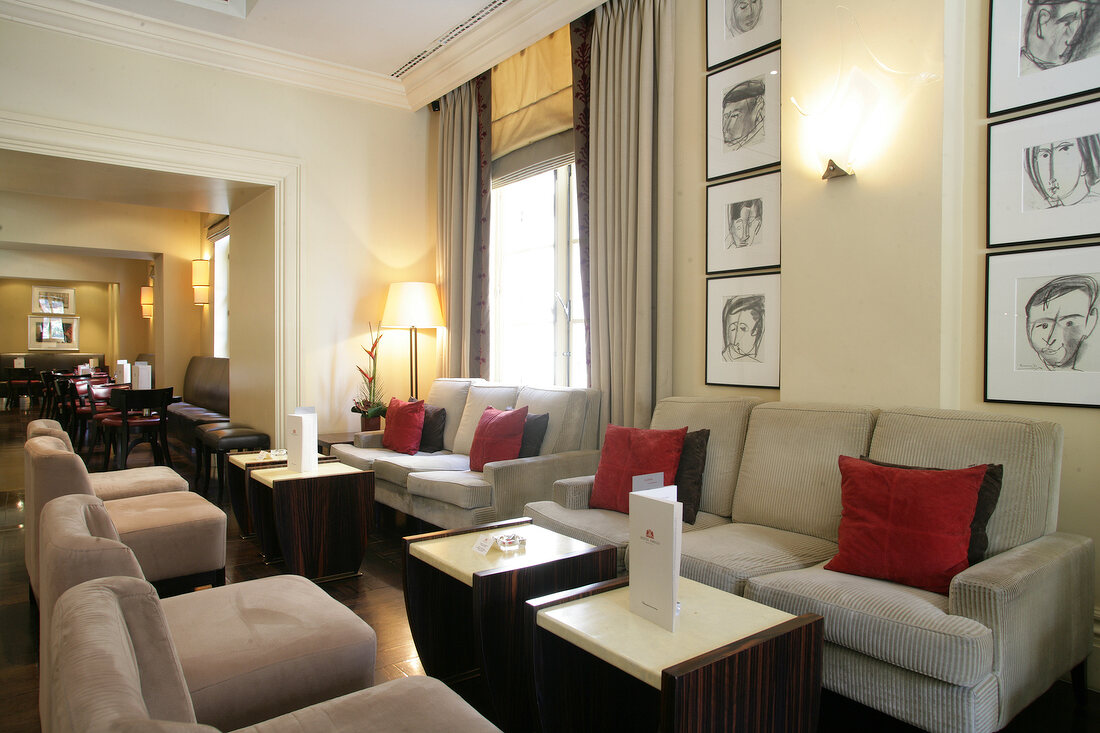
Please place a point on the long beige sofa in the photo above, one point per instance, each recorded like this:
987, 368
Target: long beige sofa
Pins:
439, 487
970, 660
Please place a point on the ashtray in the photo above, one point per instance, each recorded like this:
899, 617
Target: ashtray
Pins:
510, 541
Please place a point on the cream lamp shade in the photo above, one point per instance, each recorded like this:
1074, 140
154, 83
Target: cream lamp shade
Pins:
412, 305
146, 301
200, 281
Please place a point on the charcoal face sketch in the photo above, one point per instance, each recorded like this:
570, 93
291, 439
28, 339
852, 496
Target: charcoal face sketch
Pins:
743, 114
742, 16
743, 220
1063, 172
743, 327
1060, 316
1057, 32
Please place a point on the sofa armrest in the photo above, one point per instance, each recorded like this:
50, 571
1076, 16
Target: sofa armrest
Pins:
368, 439
574, 493
1037, 600
523, 480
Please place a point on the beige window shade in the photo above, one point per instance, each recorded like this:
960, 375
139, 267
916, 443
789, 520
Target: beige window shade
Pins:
533, 94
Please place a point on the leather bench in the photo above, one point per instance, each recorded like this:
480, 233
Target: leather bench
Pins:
205, 397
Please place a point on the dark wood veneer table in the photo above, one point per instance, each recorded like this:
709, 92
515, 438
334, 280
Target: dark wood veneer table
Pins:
321, 517
466, 610
732, 665
254, 520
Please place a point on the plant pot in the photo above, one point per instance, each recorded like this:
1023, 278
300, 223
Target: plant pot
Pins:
369, 423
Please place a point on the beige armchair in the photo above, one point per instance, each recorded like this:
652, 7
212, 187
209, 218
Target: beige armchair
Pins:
113, 665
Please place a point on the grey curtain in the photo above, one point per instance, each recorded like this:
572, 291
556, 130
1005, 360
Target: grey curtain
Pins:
462, 256
630, 206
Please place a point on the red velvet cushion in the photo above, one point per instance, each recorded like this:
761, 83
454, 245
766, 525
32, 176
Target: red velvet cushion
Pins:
498, 436
630, 452
911, 526
404, 424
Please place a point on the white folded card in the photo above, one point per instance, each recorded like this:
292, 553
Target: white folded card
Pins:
20, 363
301, 440
656, 531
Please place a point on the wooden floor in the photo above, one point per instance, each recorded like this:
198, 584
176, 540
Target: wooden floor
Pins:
376, 596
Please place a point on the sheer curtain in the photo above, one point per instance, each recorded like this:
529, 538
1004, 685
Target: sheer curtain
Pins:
630, 206
462, 260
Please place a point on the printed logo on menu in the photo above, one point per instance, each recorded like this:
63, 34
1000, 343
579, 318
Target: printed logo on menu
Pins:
650, 537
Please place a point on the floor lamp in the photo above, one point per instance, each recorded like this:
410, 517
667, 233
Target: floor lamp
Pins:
412, 306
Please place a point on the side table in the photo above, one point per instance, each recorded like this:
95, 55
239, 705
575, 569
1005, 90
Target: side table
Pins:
733, 664
238, 467
320, 517
325, 441
466, 609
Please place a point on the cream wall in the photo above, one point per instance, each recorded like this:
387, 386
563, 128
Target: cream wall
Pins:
883, 275
366, 185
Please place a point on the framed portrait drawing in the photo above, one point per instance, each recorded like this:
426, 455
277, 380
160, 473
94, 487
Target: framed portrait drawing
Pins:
743, 117
47, 299
53, 333
743, 331
1041, 342
1042, 51
736, 28
743, 224
1043, 176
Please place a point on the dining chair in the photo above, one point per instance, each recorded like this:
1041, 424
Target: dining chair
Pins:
142, 413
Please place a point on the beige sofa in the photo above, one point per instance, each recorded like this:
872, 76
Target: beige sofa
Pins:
113, 666
966, 661
439, 487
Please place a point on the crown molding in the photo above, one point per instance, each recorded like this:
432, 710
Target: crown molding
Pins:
509, 29
140, 33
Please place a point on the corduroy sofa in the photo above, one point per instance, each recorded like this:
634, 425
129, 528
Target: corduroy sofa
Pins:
1009, 626
439, 487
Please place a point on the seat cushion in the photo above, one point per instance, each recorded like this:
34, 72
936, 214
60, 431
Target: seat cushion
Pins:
363, 458
173, 534
234, 439
903, 626
136, 482
466, 489
252, 651
566, 407
397, 467
450, 394
724, 557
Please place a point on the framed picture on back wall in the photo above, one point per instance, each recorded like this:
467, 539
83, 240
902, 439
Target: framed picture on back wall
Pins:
736, 28
743, 331
743, 117
743, 224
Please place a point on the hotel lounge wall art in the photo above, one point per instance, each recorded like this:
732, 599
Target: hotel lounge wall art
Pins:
742, 340
743, 117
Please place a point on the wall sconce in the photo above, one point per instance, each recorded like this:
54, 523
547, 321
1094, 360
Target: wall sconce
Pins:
200, 281
412, 306
146, 301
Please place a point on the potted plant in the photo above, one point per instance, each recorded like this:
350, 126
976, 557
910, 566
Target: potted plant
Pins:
369, 403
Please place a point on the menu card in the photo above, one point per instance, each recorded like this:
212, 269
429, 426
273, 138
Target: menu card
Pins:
301, 440
656, 531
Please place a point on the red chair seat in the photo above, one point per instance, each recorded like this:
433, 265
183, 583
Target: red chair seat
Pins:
115, 421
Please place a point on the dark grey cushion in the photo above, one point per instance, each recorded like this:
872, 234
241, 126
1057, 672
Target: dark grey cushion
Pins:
689, 474
435, 420
534, 430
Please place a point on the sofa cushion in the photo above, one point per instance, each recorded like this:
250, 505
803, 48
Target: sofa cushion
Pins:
911, 526
363, 458
136, 482
478, 398
727, 420
1030, 451
904, 626
630, 452
173, 534
435, 421
498, 437
450, 394
534, 431
281, 643
404, 426
689, 473
789, 476
396, 467
466, 489
566, 407
725, 557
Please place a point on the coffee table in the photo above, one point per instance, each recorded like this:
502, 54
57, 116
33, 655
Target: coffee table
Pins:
238, 466
466, 609
733, 664
321, 516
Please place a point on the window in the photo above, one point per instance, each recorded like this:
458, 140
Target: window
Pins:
221, 297
536, 316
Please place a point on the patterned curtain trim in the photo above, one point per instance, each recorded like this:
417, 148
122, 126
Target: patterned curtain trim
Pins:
479, 304
580, 33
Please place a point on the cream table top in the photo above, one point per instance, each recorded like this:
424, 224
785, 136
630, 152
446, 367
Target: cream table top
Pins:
455, 555
268, 476
604, 626
244, 460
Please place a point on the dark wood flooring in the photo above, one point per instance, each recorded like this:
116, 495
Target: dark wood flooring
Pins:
376, 596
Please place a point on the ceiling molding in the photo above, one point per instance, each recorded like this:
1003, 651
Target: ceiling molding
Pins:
142, 33
512, 27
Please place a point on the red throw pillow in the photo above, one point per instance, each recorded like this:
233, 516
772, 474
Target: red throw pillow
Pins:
404, 424
911, 526
630, 452
498, 437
